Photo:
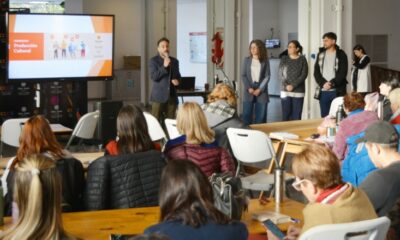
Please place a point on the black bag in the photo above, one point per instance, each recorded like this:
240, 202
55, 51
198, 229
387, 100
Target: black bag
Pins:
317, 94
229, 196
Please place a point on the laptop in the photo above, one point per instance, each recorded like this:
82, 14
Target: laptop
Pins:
187, 84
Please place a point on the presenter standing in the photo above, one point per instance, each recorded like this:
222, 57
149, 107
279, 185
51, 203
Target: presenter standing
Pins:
255, 78
164, 72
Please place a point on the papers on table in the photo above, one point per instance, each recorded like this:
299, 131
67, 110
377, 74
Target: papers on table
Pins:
283, 135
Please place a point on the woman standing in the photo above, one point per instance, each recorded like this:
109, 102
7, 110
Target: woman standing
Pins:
361, 72
255, 78
293, 71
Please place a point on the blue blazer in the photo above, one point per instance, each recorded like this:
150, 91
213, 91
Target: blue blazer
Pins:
265, 74
161, 78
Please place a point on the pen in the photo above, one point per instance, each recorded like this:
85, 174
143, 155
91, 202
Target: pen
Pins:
295, 220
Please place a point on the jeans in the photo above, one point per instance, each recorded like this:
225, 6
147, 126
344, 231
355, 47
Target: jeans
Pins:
325, 101
260, 110
292, 107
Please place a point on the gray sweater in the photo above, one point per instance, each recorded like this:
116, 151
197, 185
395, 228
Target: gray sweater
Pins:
293, 72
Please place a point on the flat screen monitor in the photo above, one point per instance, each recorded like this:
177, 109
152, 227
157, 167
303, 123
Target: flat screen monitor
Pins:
45, 47
273, 43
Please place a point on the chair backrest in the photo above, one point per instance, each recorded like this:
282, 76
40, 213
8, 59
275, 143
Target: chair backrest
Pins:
173, 132
365, 230
10, 131
250, 146
156, 132
334, 106
86, 125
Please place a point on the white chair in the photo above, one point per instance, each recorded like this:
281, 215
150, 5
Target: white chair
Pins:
156, 132
375, 229
252, 146
173, 132
334, 106
10, 132
85, 127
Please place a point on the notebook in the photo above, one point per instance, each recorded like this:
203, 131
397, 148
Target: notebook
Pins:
283, 135
187, 83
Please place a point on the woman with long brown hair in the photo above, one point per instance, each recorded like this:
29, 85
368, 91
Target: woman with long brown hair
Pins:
187, 207
38, 197
255, 78
37, 138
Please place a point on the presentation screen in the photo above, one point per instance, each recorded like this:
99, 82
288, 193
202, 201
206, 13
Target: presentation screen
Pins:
43, 47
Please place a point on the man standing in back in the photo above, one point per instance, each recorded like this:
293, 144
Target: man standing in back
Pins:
330, 72
164, 72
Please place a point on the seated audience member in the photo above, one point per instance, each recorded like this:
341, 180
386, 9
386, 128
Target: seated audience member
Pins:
221, 112
38, 197
357, 120
371, 102
383, 185
197, 142
132, 132
37, 137
385, 88
187, 207
132, 177
394, 98
317, 172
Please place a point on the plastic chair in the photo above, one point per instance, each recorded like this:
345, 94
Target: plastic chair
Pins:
334, 106
10, 132
252, 146
85, 127
156, 132
170, 124
362, 230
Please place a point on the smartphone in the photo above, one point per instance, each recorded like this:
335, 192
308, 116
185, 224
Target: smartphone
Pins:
121, 236
273, 228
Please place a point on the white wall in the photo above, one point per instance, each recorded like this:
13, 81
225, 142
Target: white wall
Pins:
195, 13
379, 17
288, 18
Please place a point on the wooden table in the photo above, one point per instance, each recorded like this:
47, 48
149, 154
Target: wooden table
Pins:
303, 128
100, 224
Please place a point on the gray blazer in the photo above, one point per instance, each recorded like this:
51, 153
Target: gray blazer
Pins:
161, 78
265, 74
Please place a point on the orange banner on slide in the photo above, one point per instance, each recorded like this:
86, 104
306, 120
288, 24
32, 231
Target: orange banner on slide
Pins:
26, 46
102, 24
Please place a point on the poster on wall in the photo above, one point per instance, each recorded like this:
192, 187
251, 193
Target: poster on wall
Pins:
198, 47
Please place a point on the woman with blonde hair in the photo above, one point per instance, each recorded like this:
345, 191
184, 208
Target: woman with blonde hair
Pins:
38, 138
221, 113
38, 197
394, 97
197, 142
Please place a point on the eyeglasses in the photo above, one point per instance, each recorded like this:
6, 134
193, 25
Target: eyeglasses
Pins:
297, 184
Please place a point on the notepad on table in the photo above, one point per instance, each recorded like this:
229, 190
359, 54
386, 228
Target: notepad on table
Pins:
275, 217
283, 135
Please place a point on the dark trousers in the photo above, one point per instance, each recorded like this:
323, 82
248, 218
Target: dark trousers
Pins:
325, 101
292, 107
164, 110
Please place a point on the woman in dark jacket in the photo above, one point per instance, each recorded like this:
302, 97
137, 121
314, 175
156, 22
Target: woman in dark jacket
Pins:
197, 142
38, 138
187, 207
130, 175
255, 78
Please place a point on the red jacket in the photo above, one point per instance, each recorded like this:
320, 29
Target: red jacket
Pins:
209, 157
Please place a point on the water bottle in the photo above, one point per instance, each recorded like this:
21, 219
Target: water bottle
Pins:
339, 114
279, 184
380, 110
1, 205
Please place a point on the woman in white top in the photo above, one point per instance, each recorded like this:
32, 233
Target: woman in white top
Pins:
255, 78
361, 73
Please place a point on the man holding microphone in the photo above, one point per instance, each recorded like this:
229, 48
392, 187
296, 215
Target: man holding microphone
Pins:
164, 72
